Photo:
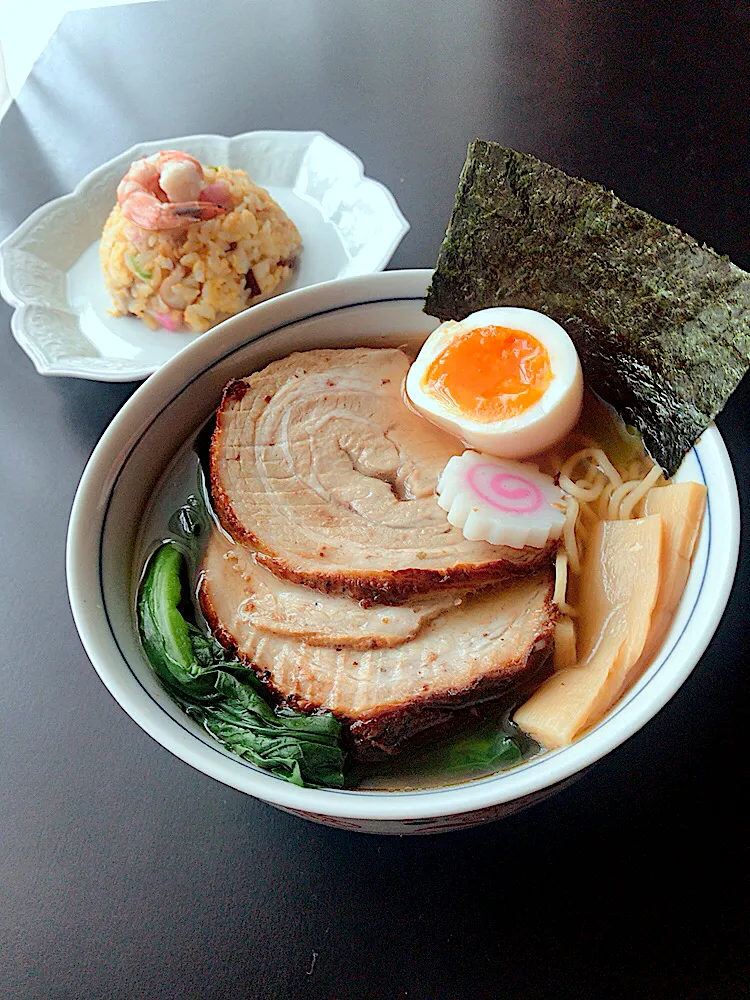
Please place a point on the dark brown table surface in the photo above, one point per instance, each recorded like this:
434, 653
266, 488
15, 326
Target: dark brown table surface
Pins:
124, 873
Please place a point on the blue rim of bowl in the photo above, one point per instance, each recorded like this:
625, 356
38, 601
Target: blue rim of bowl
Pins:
391, 795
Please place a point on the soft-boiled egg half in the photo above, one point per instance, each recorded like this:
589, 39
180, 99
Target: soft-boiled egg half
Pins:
507, 381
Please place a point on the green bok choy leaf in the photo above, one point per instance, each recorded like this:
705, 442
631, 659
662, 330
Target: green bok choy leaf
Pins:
223, 695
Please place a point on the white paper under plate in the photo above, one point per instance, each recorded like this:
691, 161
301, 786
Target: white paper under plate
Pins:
49, 267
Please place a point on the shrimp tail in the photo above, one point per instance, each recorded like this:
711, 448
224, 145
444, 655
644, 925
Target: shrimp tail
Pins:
146, 211
196, 211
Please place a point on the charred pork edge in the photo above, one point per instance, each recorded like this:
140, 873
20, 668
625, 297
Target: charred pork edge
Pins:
384, 732
396, 587
234, 390
401, 585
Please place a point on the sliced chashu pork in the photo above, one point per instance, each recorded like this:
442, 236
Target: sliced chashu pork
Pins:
318, 463
463, 655
272, 604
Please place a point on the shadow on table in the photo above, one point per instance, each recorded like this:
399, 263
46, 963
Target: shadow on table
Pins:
534, 899
29, 176
89, 407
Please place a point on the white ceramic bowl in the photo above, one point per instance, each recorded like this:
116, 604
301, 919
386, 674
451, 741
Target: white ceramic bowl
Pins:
173, 403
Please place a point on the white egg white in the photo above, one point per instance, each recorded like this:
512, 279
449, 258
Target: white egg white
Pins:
537, 428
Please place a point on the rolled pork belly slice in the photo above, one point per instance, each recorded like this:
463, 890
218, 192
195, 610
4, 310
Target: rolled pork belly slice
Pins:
471, 649
319, 464
273, 604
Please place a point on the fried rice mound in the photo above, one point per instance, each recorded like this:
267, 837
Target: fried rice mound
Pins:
192, 279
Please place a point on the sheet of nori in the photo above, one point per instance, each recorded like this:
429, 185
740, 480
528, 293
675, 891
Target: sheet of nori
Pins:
661, 323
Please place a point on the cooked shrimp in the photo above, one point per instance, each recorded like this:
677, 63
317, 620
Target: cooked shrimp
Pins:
163, 191
218, 194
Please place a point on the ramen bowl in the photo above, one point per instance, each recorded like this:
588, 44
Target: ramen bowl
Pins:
131, 458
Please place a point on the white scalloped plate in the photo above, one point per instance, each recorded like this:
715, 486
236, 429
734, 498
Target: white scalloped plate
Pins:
49, 267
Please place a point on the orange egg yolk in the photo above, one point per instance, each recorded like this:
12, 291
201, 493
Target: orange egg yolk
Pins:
491, 373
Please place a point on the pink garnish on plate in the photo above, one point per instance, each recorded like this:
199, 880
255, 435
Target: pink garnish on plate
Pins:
165, 320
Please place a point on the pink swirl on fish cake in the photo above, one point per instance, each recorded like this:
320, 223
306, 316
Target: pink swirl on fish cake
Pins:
504, 490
